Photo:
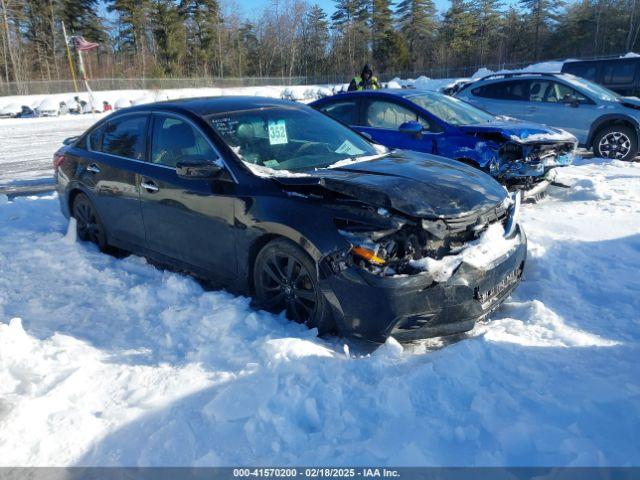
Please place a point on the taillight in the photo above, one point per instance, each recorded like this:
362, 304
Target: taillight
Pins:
58, 159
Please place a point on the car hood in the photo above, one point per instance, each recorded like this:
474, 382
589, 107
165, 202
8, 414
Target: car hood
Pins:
521, 132
416, 184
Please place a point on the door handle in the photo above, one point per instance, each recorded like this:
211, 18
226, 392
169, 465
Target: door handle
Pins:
149, 186
93, 168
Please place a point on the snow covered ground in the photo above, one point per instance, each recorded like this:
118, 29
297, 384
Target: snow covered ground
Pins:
107, 361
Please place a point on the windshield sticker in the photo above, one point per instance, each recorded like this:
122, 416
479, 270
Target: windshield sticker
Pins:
349, 148
225, 126
277, 132
270, 163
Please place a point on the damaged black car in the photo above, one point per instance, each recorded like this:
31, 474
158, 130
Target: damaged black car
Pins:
276, 200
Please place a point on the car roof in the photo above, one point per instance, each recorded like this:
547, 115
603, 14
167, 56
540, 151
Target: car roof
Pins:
383, 92
204, 106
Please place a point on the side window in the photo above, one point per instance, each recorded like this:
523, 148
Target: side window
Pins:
94, 142
548, 91
383, 114
509, 90
619, 72
346, 112
125, 137
175, 140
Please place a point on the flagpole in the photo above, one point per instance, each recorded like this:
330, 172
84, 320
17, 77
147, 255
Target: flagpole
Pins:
84, 78
71, 69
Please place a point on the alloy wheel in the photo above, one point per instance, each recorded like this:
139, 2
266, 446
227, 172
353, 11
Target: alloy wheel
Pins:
287, 285
614, 145
88, 226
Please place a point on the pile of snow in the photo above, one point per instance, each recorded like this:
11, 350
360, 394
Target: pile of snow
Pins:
122, 103
107, 361
48, 106
11, 109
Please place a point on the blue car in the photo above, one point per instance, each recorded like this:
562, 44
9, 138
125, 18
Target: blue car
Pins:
599, 118
521, 155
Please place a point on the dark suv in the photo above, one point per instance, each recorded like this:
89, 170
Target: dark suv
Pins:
622, 75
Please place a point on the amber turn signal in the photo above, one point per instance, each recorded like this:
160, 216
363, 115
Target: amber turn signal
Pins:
368, 255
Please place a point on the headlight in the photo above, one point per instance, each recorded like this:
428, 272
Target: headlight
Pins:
513, 216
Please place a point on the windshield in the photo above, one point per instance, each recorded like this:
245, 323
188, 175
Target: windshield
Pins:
289, 138
451, 110
594, 89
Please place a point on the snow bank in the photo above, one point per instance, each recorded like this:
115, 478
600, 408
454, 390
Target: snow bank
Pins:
107, 361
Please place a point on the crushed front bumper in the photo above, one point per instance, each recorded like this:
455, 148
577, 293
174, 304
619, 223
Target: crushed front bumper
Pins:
410, 307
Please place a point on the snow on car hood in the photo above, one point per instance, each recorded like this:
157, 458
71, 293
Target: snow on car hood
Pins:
521, 132
416, 184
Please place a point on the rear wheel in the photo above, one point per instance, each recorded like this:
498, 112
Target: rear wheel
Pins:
285, 278
89, 227
617, 142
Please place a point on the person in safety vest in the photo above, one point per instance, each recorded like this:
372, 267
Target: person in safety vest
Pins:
365, 81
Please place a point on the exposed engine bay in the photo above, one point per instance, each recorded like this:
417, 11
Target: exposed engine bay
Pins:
394, 251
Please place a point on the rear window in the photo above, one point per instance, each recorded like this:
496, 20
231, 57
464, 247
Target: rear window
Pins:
619, 72
343, 111
124, 137
510, 90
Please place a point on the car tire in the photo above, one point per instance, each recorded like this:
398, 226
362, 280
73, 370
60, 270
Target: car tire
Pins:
285, 278
89, 227
617, 142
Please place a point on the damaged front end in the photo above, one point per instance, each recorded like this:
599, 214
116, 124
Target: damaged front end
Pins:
409, 246
418, 278
528, 166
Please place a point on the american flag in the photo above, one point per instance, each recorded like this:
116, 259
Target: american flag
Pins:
82, 45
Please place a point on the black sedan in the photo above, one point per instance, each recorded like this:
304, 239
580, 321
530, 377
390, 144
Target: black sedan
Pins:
274, 199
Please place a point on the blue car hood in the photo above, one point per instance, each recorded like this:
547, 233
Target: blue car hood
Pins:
521, 132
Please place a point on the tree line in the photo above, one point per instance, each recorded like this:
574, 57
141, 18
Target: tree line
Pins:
212, 38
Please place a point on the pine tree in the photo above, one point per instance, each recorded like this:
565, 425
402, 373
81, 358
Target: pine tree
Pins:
383, 38
170, 36
204, 31
417, 22
350, 21
458, 31
487, 18
81, 17
542, 12
316, 39
134, 21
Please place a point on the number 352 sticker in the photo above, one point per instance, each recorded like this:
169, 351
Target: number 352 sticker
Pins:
277, 132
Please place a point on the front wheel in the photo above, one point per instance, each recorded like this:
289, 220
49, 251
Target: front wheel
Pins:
89, 227
285, 279
616, 142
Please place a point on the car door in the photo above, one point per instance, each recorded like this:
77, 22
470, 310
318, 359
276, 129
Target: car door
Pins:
556, 104
188, 220
381, 119
111, 169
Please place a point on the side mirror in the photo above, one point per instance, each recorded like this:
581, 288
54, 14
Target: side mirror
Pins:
411, 128
571, 100
69, 141
198, 170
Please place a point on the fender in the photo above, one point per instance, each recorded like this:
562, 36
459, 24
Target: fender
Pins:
612, 118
